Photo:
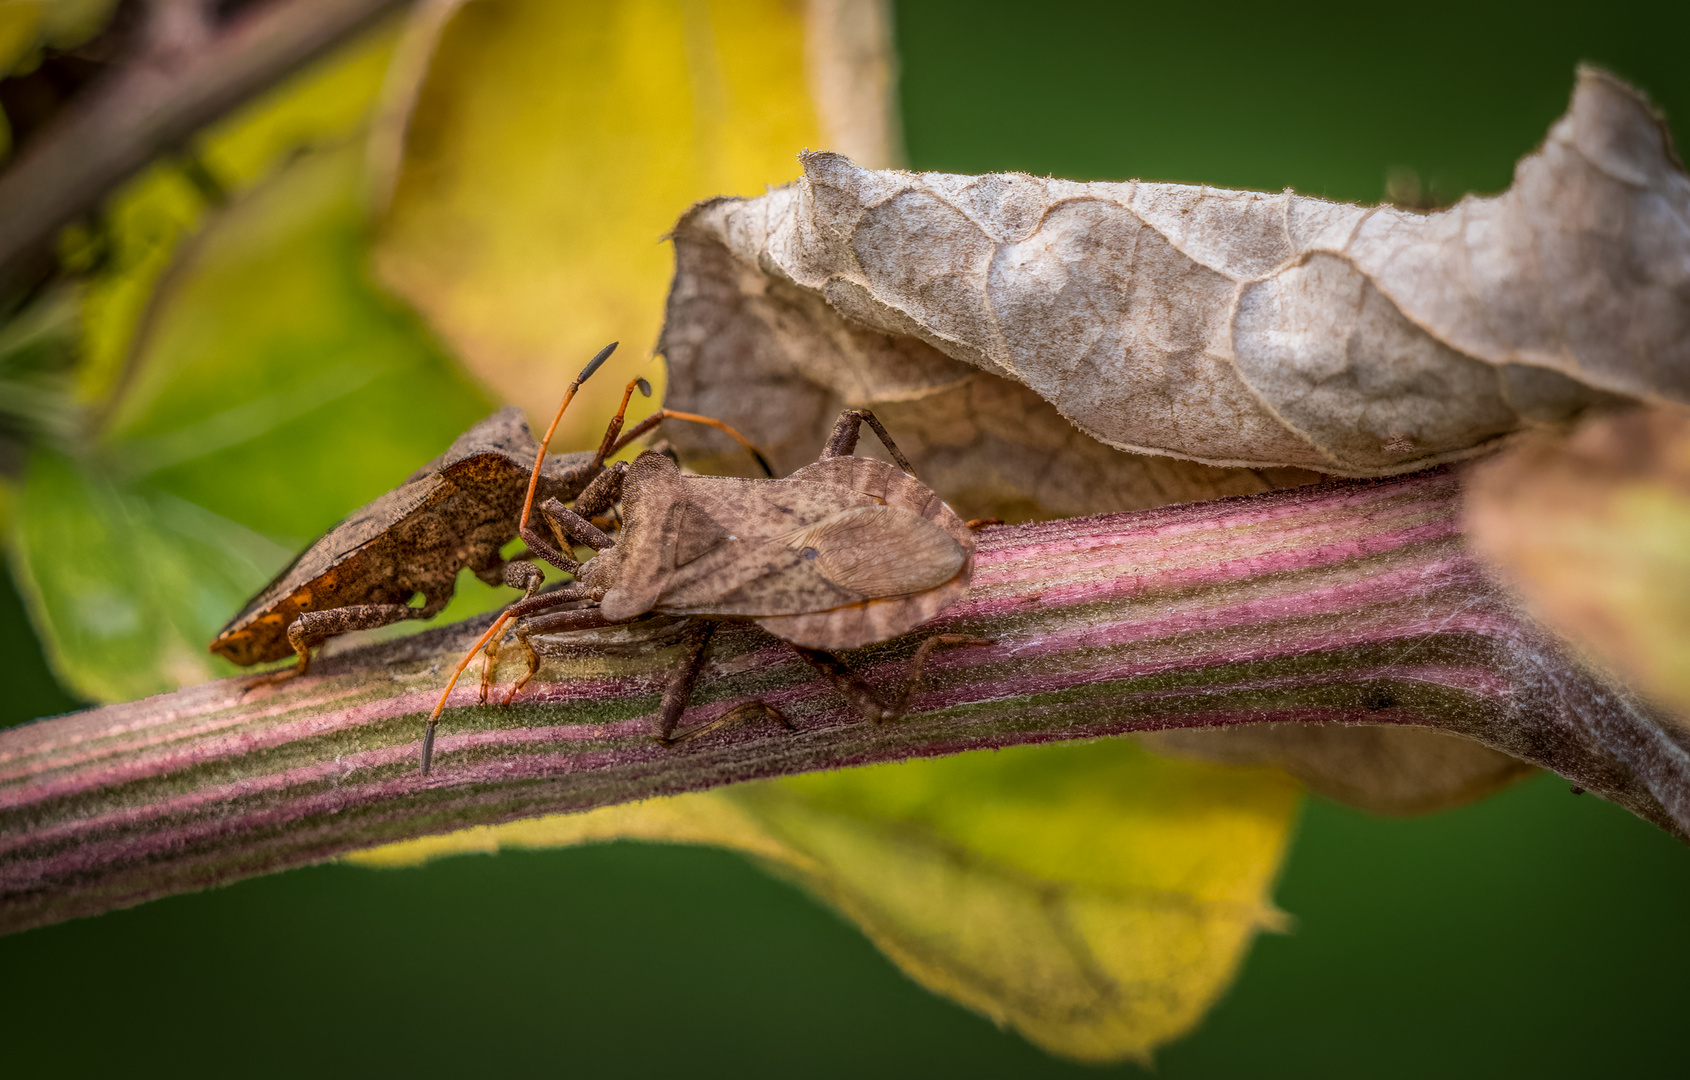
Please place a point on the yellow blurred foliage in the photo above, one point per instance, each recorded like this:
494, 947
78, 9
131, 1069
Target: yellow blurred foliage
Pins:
1096, 898
551, 146
1594, 530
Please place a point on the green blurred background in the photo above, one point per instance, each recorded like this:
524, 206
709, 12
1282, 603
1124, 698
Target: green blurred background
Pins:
1536, 933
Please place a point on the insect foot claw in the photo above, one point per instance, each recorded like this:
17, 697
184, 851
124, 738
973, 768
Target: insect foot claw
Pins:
273, 678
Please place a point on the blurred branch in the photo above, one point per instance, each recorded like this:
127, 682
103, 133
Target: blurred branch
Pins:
188, 71
1354, 602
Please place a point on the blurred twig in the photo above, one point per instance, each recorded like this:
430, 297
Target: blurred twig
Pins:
188, 70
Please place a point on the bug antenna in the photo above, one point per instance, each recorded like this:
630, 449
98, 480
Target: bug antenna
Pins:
594, 364
709, 421
540, 458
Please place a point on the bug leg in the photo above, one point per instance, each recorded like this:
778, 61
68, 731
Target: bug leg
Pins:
312, 628
523, 629
518, 574
851, 686
843, 441
912, 674
584, 619
678, 691
524, 575
856, 690
549, 623
733, 715
603, 493
571, 528
489, 668
568, 529
543, 548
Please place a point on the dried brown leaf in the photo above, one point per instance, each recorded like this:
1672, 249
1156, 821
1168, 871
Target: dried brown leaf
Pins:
1228, 327
778, 363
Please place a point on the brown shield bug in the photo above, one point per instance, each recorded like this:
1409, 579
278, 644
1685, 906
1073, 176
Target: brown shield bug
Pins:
457, 511
844, 552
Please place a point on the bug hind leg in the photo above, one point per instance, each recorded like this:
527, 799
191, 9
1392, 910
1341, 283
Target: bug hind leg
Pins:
678, 692
843, 441
744, 711
863, 697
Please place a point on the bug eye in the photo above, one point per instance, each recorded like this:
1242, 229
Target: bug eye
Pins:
807, 553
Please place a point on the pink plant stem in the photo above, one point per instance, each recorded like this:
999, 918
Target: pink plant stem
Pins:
1354, 602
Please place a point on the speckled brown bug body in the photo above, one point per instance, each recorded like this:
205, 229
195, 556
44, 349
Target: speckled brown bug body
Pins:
455, 512
842, 553
398, 558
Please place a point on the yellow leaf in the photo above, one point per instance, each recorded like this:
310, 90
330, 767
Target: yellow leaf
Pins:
1096, 898
552, 145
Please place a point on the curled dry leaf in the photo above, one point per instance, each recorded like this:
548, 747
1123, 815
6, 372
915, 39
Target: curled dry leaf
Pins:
1234, 328
1594, 531
1255, 332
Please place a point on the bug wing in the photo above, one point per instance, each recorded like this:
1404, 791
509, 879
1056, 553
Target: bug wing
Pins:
842, 553
749, 578
733, 550
850, 555
879, 618
877, 551
505, 433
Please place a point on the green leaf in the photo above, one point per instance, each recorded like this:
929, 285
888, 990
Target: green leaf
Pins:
123, 580
274, 390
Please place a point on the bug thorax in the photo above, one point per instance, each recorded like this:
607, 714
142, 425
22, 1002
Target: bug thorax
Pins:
598, 574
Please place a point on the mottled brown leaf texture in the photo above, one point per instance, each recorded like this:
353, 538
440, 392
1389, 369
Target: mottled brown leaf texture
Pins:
1238, 329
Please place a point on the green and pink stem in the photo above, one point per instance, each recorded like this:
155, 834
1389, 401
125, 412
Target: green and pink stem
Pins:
1349, 603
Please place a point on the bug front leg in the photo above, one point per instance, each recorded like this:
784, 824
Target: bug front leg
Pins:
568, 529
863, 697
312, 628
518, 574
604, 492
554, 622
